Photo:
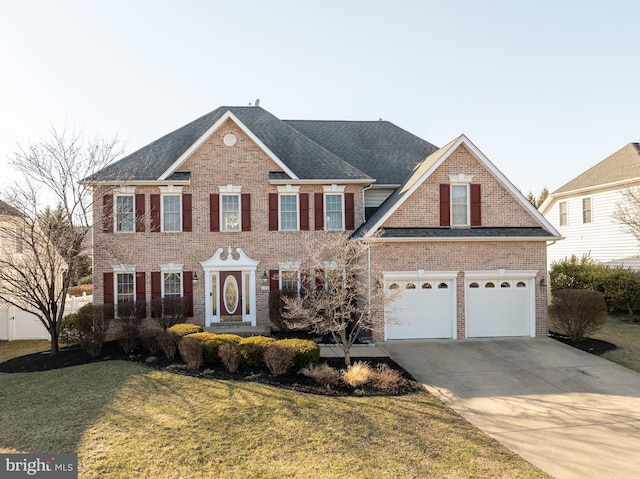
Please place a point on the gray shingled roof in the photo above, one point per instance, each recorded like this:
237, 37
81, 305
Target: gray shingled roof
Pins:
304, 157
8, 210
379, 148
485, 233
624, 164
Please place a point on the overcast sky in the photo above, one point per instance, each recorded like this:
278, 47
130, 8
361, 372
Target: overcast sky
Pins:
546, 89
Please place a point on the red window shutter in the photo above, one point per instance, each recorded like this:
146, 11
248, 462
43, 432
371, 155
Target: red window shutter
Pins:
140, 213
274, 279
349, 211
305, 280
304, 211
141, 295
214, 212
445, 205
187, 288
273, 212
245, 199
155, 213
156, 285
318, 206
476, 205
319, 279
108, 288
107, 214
187, 214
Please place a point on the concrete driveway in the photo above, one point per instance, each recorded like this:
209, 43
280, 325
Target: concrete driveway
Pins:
572, 414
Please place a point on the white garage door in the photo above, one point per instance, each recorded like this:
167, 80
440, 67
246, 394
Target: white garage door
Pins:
425, 309
498, 307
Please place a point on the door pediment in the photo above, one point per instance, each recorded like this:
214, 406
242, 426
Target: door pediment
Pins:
229, 260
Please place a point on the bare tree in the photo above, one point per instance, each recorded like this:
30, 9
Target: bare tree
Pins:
340, 294
41, 247
627, 211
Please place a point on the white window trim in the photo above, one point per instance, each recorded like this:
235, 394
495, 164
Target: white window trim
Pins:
289, 266
239, 196
468, 222
162, 197
181, 282
324, 199
122, 269
460, 178
115, 212
229, 189
590, 198
292, 192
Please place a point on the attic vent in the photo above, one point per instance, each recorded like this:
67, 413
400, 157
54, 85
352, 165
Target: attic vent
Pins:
229, 139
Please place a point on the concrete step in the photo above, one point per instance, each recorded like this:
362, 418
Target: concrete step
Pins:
239, 329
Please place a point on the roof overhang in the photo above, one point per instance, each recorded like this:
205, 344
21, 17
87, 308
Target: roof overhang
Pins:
114, 183
484, 239
328, 181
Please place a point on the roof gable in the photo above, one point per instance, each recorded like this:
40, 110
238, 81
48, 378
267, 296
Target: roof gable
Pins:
8, 210
425, 169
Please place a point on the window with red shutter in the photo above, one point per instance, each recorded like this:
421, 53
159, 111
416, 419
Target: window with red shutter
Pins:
187, 215
214, 212
107, 214
476, 205
273, 211
349, 211
246, 211
304, 211
318, 206
445, 205
155, 213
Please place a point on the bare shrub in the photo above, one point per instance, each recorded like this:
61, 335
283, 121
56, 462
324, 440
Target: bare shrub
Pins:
322, 374
577, 313
191, 352
130, 317
169, 311
357, 374
230, 355
92, 323
149, 340
279, 358
168, 342
385, 378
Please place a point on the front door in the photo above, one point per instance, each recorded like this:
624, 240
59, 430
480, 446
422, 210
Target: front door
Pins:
230, 296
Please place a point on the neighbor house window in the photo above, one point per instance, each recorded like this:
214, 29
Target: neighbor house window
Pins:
125, 214
171, 213
19, 239
334, 211
125, 287
459, 205
288, 212
230, 206
172, 285
586, 210
562, 208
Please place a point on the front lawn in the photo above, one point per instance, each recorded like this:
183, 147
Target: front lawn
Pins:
626, 336
13, 349
128, 421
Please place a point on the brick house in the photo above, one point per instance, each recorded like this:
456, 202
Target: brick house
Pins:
218, 211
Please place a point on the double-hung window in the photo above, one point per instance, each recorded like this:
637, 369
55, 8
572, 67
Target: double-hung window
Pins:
125, 287
459, 205
562, 209
290, 279
171, 213
334, 211
288, 212
230, 209
586, 210
125, 214
172, 284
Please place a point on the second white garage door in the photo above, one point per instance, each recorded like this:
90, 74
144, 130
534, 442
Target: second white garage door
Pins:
425, 309
498, 307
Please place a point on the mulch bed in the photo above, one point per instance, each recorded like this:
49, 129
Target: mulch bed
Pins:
74, 356
589, 345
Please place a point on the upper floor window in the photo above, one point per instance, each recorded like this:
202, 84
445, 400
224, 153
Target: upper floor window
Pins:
562, 209
586, 210
334, 211
230, 206
125, 214
288, 212
171, 213
459, 205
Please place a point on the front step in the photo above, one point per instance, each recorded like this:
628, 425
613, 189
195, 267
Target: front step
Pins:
241, 329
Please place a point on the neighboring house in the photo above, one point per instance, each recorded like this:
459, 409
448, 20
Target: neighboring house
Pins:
15, 323
582, 210
219, 210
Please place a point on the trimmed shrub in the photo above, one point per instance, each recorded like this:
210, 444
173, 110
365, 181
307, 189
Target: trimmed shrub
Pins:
168, 342
577, 313
229, 353
68, 331
92, 323
385, 378
357, 374
253, 348
322, 374
183, 329
211, 342
280, 358
191, 352
149, 340
169, 311
307, 352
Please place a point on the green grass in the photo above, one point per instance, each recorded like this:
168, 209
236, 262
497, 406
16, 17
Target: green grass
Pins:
625, 335
13, 349
128, 421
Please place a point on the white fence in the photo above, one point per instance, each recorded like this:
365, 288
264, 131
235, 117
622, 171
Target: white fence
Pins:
74, 303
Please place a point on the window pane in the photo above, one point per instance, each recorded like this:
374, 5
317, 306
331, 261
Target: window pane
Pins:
124, 213
289, 280
563, 213
334, 212
459, 205
171, 212
288, 212
172, 285
230, 213
586, 210
124, 287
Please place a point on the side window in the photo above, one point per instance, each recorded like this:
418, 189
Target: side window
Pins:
288, 212
230, 209
334, 211
459, 205
125, 214
125, 287
586, 210
171, 213
562, 210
